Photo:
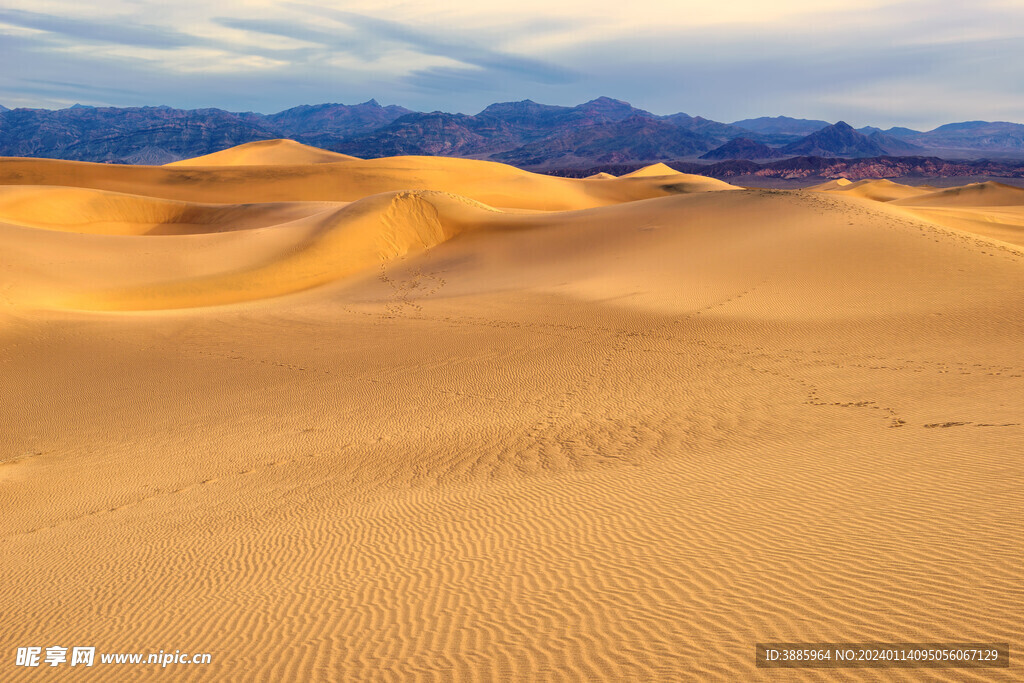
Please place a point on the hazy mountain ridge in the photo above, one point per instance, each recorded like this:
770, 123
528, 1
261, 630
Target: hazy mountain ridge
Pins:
781, 124
526, 133
742, 148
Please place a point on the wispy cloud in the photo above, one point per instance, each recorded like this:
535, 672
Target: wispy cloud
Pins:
346, 40
101, 30
459, 48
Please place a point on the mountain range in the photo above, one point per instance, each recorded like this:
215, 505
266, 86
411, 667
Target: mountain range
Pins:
526, 134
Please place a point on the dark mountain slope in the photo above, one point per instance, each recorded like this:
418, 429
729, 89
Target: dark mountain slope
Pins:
742, 148
636, 139
837, 140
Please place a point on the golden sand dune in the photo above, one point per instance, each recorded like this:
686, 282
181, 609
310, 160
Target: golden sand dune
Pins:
600, 176
314, 250
266, 153
488, 182
653, 171
880, 190
837, 184
428, 436
989, 209
989, 193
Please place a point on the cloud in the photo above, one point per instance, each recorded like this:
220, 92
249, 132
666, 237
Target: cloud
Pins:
348, 41
459, 48
879, 62
103, 30
448, 79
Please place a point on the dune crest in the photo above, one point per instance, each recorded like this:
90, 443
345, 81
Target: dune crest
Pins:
266, 153
654, 170
836, 184
879, 190
484, 181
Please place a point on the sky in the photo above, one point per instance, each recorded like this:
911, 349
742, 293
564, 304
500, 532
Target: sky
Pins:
915, 63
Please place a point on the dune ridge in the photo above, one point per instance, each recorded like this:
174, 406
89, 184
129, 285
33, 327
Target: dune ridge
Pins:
266, 153
653, 171
430, 419
488, 182
880, 190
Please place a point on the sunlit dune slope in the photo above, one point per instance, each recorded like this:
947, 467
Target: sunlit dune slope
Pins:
491, 183
266, 153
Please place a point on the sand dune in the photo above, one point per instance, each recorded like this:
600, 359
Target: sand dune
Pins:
1002, 223
427, 419
600, 176
837, 184
266, 153
989, 193
491, 183
653, 171
991, 210
880, 190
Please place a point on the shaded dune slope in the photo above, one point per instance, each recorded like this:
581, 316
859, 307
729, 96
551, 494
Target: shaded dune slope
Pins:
72, 209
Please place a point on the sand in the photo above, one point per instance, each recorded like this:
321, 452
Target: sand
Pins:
436, 419
652, 171
266, 153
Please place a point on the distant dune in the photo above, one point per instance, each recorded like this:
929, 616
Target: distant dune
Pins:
837, 184
881, 190
423, 418
485, 181
980, 194
266, 153
654, 170
990, 209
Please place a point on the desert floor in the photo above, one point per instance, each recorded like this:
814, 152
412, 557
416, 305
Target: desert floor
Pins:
437, 419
